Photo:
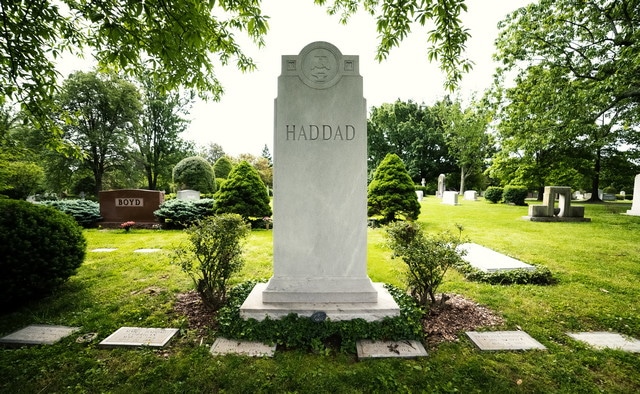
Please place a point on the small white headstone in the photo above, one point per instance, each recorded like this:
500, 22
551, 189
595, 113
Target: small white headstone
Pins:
471, 195
103, 250
38, 335
450, 198
224, 346
608, 340
420, 194
188, 195
146, 250
504, 340
384, 349
137, 336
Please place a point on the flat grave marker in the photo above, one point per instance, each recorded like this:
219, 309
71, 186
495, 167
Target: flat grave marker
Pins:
103, 250
488, 260
223, 346
146, 250
137, 336
504, 340
607, 340
385, 349
37, 334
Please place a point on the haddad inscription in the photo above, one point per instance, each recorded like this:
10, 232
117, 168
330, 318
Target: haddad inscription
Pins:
323, 132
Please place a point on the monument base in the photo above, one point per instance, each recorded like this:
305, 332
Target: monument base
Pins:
555, 219
255, 308
632, 212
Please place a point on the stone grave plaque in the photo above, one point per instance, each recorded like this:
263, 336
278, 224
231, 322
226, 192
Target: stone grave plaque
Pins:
103, 250
488, 260
608, 340
384, 349
504, 340
137, 336
37, 334
224, 346
146, 250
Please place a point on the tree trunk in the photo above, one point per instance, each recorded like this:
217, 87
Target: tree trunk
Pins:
595, 181
462, 176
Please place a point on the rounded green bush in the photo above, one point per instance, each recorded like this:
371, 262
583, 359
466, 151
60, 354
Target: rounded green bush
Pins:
493, 194
194, 173
515, 195
40, 248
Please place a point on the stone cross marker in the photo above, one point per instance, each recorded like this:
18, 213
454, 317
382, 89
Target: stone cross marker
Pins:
320, 181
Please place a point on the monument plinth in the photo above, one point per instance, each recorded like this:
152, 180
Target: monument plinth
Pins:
320, 192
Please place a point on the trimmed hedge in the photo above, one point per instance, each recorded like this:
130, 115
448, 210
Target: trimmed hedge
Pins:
540, 276
85, 212
493, 194
40, 248
515, 195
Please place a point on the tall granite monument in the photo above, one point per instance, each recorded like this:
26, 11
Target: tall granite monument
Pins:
320, 194
635, 205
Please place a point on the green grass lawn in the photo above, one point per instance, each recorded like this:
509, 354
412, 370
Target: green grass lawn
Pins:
596, 264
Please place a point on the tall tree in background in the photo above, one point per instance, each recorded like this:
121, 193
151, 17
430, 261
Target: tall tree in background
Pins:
466, 136
100, 112
158, 135
211, 152
414, 133
579, 67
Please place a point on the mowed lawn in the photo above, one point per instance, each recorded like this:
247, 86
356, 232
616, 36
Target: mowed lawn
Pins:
596, 264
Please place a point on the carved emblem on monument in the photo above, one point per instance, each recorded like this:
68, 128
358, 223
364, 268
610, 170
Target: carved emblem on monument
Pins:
320, 66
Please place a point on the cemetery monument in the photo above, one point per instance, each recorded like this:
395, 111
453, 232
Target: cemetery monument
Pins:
564, 213
635, 206
320, 194
441, 186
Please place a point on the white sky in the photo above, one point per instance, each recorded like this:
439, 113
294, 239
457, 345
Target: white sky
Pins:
242, 121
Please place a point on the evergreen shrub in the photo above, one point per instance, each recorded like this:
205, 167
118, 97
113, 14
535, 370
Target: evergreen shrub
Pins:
40, 248
515, 195
85, 212
493, 194
177, 213
392, 193
244, 193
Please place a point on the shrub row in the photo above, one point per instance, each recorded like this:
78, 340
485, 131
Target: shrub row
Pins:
511, 194
85, 212
540, 276
294, 331
183, 213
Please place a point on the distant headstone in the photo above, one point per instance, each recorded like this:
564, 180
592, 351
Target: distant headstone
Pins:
546, 212
441, 185
635, 205
188, 195
488, 260
137, 336
420, 195
423, 182
223, 346
320, 185
37, 334
504, 340
118, 206
390, 349
471, 195
450, 198
607, 340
